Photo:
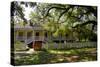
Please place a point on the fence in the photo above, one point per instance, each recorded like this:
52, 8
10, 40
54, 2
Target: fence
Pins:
69, 45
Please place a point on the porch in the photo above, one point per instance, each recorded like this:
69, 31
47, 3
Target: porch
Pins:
41, 38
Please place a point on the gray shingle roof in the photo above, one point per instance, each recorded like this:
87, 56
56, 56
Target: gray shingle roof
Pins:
27, 27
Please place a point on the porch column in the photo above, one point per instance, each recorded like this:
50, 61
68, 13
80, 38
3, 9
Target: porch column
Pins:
50, 37
16, 36
25, 37
43, 36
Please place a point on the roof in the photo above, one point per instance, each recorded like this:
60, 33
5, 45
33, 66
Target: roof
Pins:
27, 27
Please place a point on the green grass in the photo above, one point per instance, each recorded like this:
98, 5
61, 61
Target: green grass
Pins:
58, 56
19, 46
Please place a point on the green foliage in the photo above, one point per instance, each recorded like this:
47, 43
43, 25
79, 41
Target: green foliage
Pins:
19, 46
62, 19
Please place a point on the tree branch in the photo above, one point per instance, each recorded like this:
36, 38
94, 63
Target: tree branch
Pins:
65, 12
83, 24
47, 12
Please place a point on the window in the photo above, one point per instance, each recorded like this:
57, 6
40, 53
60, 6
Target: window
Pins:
37, 34
45, 34
21, 34
29, 34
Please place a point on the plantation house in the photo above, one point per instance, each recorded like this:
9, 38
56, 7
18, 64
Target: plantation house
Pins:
34, 36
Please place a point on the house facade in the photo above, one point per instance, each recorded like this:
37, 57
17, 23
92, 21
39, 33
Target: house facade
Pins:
34, 36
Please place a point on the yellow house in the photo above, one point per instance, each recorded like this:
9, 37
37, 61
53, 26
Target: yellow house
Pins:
30, 35
34, 36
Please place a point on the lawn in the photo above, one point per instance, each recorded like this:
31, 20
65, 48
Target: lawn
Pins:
57, 56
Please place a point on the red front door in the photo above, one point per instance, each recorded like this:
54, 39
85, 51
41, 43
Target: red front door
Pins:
37, 44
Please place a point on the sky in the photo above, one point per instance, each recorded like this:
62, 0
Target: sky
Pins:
27, 11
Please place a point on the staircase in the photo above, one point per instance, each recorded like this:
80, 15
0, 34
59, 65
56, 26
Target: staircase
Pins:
29, 40
35, 38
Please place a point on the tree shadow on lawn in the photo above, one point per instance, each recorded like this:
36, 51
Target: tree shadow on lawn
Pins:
42, 57
78, 55
45, 57
39, 58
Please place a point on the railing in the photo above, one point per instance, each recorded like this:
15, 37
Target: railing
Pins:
58, 38
21, 38
34, 38
39, 38
29, 40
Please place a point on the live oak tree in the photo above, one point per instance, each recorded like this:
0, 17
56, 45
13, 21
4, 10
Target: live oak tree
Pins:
70, 19
77, 21
17, 10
